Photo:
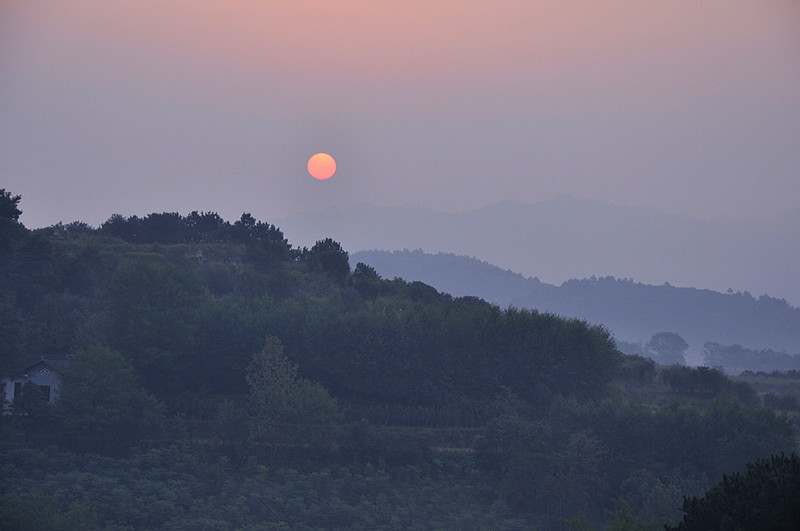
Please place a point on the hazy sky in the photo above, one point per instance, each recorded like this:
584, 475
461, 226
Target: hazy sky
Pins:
132, 107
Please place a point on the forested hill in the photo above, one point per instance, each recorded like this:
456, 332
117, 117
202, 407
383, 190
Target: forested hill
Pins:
213, 376
631, 310
188, 300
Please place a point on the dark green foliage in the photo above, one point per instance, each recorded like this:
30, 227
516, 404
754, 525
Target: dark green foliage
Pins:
171, 488
265, 243
637, 369
367, 281
704, 382
45, 513
328, 256
785, 402
651, 458
101, 407
9, 207
543, 469
374, 404
764, 497
701, 382
623, 519
154, 313
278, 396
365, 272
205, 226
427, 352
12, 332
628, 308
31, 412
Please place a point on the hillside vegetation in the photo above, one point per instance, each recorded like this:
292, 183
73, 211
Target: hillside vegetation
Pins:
632, 311
220, 378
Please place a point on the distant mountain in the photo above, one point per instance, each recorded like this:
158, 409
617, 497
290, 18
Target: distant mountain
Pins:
632, 311
577, 238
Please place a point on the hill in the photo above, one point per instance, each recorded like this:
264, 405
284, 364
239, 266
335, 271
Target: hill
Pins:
218, 377
631, 310
576, 238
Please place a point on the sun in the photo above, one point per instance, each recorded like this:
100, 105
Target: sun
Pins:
321, 166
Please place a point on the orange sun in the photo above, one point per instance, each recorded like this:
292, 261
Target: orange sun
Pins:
321, 166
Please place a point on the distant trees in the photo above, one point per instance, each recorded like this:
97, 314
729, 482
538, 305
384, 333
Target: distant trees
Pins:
784, 402
705, 382
263, 240
736, 358
667, 348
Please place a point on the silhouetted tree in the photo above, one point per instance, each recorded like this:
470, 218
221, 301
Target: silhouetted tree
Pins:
764, 497
365, 272
327, 255
118, 226
9, 207
205, 226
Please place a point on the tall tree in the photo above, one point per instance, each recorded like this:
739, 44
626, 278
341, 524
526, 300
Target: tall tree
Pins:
272, 378
10, 227
667, 348
279, 396
9, 207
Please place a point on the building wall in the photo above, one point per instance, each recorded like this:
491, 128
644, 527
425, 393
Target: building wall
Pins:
41, 374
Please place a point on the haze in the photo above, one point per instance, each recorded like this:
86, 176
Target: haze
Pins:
137, 107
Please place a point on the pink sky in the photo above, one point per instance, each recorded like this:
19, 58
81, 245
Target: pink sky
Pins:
141, 106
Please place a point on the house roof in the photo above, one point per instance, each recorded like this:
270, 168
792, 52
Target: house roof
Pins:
55, 363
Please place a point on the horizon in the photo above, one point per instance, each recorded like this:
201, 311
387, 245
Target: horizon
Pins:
690, 110
132, 108
721, 220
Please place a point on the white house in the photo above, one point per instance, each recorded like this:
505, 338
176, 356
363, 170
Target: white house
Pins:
44, 372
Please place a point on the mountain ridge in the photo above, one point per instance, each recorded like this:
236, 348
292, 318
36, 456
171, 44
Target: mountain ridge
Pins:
568, 238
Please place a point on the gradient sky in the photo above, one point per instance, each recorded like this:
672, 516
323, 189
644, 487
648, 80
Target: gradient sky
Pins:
132, 107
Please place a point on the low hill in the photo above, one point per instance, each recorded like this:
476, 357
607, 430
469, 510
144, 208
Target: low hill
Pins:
631, 310
571, 237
